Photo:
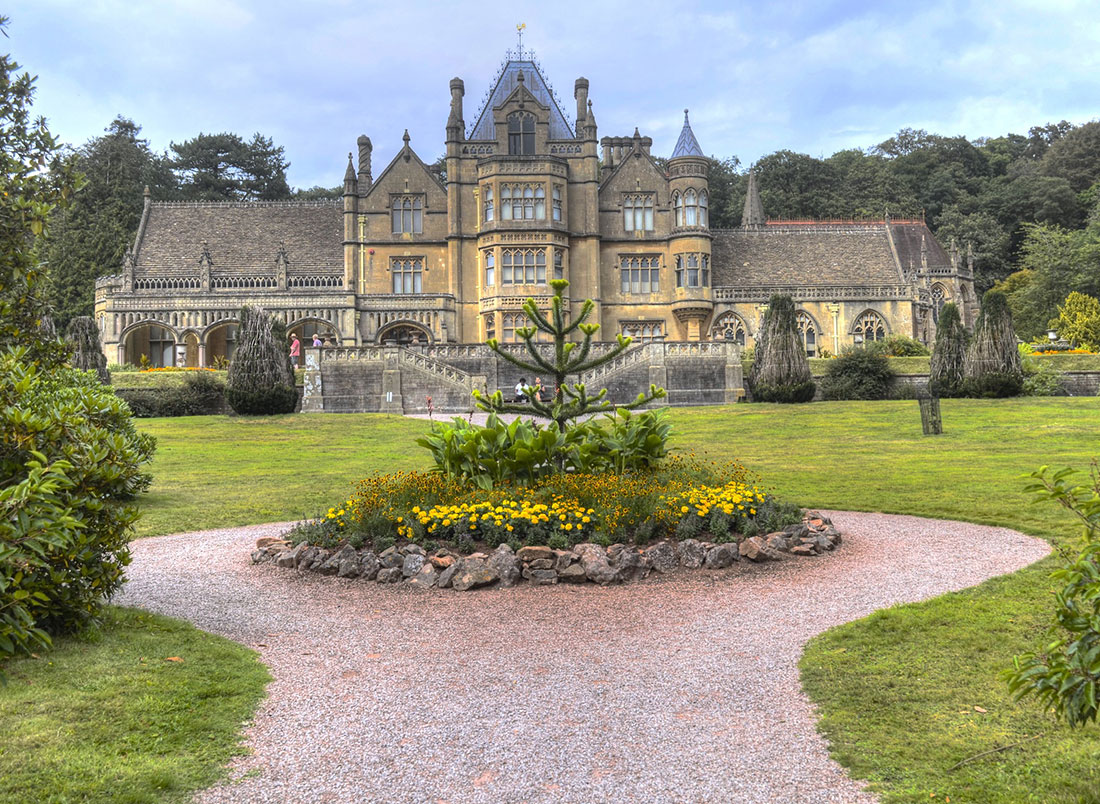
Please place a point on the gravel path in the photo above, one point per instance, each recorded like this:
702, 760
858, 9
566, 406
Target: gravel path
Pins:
678, 689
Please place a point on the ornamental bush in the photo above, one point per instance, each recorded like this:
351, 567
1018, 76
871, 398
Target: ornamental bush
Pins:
70, 466
898, 346
858, 374
88, 355
260, 380
201, 394
992, 368
1065, 675
949, 354
780, 370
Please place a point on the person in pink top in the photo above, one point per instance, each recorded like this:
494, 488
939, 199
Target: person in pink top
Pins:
295, 350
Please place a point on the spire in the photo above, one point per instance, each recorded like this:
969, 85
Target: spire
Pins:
349, 174
753, 215
687, 145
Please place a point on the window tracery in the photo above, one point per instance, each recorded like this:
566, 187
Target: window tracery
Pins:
638, 212
407, 274
556, 203
407, 212
490, 268
523, 266
522, 202
807, 331
729, 327
521, 134
871, 326
643, 331
640, 274
692, 270
489, 211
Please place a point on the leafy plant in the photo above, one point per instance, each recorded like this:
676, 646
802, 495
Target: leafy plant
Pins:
858, 374
1065, 676
897, 346
1078, 321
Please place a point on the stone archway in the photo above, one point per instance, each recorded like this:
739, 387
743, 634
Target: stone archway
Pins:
404, 333
151, 340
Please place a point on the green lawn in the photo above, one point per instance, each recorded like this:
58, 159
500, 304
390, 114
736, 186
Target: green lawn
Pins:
107, 719
896, 691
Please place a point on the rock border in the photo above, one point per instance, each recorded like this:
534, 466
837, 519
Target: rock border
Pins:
542, 566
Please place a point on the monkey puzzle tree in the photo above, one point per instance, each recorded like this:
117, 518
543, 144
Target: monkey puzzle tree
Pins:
993, 367
948, 354
569, 402
780, 371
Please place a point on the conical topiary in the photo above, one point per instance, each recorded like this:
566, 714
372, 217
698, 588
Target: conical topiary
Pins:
780, 370
993, 367
88, 355
949, 354
260, 380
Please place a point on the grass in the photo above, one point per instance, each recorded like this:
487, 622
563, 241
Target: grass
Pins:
107, 719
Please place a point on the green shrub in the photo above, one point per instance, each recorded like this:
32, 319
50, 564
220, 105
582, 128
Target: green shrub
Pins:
949, 354
993, 385
1065, 675
858, 374
788, 393
992, 368
898, 346
1040, 376
260, 380
201, 394
70, 462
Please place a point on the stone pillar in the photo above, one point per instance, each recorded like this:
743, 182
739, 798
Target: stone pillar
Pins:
391, 381
735, 383
834, 311
313, 398
202, 355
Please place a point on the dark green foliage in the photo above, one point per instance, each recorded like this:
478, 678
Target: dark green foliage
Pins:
992, 367
1065, 675
780, 370
83, 334
70, 464
949, 354
201, 394
89, 239
569, 401
260, 380
223, 167
898, 346
858, 374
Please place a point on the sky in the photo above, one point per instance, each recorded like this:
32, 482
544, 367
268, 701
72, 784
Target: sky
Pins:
814, 77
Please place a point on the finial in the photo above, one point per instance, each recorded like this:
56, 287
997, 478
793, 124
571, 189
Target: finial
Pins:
685, 117
637, 134
519, 76
147, 194
406, 138
519, 37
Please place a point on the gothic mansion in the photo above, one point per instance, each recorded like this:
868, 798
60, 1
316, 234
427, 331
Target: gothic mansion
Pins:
529, 196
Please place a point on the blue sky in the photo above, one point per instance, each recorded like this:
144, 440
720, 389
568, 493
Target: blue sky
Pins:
813, 77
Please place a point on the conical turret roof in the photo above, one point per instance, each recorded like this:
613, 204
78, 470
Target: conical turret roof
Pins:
687, 145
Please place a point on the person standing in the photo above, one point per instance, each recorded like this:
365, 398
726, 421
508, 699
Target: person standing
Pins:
520, 396
317, 342
295, 350
538, 389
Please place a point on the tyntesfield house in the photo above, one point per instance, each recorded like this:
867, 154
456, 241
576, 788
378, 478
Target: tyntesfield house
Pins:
530, 195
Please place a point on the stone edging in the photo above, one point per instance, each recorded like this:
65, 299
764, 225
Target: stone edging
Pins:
540, 565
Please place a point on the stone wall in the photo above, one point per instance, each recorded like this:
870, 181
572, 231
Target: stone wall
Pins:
396, 379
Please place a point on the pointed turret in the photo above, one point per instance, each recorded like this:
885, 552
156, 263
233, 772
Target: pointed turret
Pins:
687, 145
349, 177
753, 215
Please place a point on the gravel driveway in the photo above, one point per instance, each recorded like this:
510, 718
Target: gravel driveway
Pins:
677, 689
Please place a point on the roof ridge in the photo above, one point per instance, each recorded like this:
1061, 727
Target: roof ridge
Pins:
325, 202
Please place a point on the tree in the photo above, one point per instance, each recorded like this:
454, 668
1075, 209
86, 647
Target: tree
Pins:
795, 185
568, 402
780, 370
727, 193
992, 367
90, 237
70, 458
1075, 157
1060, 262
88, 355
223, 167
948, 355
260, 380
318, 193
1079, 321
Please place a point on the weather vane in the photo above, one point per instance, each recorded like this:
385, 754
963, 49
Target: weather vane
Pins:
519, 36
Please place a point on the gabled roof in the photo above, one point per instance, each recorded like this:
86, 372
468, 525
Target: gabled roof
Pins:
687, 145
507, 81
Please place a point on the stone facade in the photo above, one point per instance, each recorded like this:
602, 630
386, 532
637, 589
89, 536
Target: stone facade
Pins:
529, 196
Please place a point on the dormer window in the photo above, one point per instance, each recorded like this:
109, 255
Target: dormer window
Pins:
521, 134
408, 214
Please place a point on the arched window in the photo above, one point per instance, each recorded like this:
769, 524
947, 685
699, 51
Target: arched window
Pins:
407, 212
521, 134
638, 212
490, 268
939, 299
643, 331
540, 203
807, 331
488, 203
523, 266
690, 208
728, 327
640, 274
559, 271
870, 326
703, 209
506, 202
557, 202
692, 270
678, 203
407, 274
490, 326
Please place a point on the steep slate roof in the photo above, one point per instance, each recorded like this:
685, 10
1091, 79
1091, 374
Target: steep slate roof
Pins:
687, 145
485, 129
907, 238
243, 235
806, 254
